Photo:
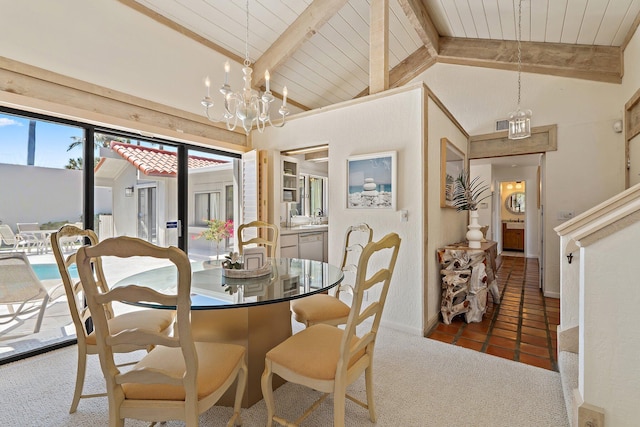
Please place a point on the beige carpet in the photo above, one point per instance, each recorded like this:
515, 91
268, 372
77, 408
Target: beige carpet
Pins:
418, 382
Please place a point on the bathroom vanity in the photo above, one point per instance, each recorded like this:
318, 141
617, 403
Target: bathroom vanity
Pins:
513, 236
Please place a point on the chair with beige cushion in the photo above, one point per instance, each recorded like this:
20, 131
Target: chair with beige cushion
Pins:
154, 320
328, 358
324, 308
258, 233
178, 379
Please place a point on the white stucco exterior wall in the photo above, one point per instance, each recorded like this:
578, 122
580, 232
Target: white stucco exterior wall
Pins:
33, 202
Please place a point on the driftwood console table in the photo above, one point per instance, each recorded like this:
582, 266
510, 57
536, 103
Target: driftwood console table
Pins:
468, 275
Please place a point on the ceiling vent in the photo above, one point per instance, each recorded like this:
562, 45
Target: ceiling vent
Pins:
502, 125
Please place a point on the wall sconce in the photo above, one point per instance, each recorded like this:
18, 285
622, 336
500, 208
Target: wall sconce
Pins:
518, 185
128, 191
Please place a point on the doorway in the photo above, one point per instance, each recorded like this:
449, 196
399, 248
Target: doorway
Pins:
529, 171
512, 215
147, 222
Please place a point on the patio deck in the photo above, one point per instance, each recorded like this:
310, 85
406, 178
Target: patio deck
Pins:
17, 336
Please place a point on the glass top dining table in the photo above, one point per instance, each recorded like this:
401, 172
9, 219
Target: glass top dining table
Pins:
290, 278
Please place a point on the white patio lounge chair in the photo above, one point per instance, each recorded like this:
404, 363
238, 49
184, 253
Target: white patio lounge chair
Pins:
20, 289
37, 237
9, 238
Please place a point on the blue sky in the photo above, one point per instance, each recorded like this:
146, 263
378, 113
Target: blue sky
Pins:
52, 141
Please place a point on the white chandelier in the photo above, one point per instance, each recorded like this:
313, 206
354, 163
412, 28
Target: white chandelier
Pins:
519, 121
248, 106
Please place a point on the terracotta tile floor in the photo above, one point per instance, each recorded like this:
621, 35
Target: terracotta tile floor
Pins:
521, 328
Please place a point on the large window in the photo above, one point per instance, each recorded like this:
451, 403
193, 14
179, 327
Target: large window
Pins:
135, 185
212, 218
207, 206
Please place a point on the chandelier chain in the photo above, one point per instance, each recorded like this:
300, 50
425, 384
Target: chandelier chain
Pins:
247, 61
519, 49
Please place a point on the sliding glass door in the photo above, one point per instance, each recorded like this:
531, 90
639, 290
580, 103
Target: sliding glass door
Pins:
41, 189
55, 172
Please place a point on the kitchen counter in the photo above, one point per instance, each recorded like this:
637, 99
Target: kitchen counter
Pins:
297, 229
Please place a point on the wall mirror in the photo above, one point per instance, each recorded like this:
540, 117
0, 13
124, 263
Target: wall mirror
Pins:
515, 203
452, 161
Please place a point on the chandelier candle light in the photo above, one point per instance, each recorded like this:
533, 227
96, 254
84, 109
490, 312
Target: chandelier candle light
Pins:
519, 121
248, 106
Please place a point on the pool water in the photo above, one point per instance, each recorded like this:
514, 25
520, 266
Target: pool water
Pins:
50, 271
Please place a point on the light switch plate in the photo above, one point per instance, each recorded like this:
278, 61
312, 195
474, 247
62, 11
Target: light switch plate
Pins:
565, 215
404, 215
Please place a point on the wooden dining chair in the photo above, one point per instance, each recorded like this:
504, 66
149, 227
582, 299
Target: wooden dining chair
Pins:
179, 378
154, 320
328, 358
258, 233
330, 309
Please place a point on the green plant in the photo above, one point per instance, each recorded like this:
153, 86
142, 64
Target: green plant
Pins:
217, 230
467, 192
232, 261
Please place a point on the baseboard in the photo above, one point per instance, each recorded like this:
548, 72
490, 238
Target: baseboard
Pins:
401, 328
568, 339
549, 294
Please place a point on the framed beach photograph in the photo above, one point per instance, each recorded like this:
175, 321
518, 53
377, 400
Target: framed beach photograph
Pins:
452, 161
371, 181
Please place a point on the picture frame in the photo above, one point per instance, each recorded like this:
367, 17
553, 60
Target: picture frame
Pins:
371, 181
452, 162
254, 258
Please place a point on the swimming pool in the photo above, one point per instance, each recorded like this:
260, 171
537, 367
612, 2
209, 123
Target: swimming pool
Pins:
50, 271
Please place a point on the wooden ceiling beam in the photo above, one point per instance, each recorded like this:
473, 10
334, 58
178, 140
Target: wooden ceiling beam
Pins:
411, 67
417, 13
598, 63
379, 46
305, 26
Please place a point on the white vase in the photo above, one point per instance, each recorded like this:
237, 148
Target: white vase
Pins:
474, 235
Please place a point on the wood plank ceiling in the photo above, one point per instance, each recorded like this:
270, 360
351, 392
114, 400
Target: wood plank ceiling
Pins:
321, 48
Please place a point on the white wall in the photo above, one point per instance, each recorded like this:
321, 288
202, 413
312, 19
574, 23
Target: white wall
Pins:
384, 123
388, 123
110, 44
589, 164
609, 372
485, 212
33, 200
444, 225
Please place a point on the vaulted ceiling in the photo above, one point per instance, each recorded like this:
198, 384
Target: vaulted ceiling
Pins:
325, 51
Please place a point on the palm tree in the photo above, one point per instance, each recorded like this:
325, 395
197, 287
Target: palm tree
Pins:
100, 140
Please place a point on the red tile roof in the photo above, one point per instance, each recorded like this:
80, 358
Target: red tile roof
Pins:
155, 162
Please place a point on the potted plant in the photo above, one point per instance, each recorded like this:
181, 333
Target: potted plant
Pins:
217, 230
467, 194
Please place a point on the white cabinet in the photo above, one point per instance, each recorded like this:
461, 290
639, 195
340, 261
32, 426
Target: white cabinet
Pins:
290, 175
289, 246
311, 245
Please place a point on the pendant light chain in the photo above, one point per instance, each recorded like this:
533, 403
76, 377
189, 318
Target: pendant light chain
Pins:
519, 121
